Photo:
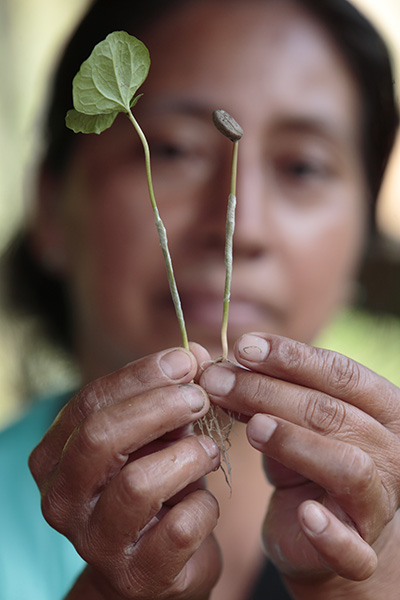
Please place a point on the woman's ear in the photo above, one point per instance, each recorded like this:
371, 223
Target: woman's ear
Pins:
47, 233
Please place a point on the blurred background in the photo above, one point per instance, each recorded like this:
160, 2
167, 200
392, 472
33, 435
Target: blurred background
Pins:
31, 34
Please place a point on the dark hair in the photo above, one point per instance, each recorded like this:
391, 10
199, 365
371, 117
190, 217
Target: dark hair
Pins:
361, 46
367, 56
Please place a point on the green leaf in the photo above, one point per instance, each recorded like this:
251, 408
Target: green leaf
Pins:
80, 123
110, 77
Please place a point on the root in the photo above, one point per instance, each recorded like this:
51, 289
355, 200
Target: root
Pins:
217, 424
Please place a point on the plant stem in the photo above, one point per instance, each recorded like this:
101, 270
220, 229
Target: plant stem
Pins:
162, 234
230, 228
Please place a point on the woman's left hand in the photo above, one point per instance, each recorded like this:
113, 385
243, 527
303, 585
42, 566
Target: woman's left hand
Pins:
330, 432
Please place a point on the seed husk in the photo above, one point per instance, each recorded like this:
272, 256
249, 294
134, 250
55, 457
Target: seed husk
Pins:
227, 125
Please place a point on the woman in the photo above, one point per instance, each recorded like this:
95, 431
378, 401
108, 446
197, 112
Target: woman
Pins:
120, 471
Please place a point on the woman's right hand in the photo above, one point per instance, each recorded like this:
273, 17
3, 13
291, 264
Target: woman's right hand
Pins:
119, 475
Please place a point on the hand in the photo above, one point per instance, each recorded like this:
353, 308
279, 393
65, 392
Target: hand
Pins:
329, 429
119, 474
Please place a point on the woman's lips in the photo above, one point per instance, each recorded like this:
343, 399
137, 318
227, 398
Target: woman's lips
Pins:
202, 309
205, 309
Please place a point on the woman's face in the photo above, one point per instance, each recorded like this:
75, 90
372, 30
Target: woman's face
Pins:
301, 212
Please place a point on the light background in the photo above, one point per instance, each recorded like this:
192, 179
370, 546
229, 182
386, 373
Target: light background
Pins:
31, 33
386, 15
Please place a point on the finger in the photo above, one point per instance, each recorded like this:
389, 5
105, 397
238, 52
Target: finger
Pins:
183, 545
149, 373
202, 356
246, 393
179, 549
339, 546
319, 369
158, 370
136, 496
102, 444
348, 473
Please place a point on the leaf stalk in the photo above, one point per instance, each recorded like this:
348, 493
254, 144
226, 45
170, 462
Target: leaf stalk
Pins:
162, 234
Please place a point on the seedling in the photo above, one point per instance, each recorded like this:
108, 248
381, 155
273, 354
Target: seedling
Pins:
105, 86
232, 130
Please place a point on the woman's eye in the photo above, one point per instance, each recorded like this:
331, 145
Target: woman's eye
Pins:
168, 151
177, 160
303, 169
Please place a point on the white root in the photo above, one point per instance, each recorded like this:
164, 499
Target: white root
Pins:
218, 424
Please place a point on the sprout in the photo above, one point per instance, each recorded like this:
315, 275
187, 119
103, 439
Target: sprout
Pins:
232, 130
105, 86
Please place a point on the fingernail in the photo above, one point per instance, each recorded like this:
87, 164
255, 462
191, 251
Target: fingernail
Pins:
253, 348
209, 446
175, 364
314, 518
218, 381
193, 396
261, 428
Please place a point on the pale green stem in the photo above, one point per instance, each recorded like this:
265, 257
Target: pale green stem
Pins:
162, 234
230, 228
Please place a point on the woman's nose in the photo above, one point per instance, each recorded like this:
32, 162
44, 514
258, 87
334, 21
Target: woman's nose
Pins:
254, 226
252, 223
211, 207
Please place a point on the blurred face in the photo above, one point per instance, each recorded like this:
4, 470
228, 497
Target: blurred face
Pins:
301, 213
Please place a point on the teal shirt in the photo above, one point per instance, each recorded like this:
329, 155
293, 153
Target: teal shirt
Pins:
36, 562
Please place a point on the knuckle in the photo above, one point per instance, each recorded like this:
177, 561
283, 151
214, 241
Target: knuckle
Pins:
91, 398
360, 476
135, 487
324, 414
42, 462
342, 372
94, 433
55, 510
292, 354
361, 482
183, 532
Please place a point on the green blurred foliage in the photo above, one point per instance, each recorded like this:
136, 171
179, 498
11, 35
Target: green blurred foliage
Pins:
373, 340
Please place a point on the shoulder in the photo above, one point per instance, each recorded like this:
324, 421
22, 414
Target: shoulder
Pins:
19, 439
16, 443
